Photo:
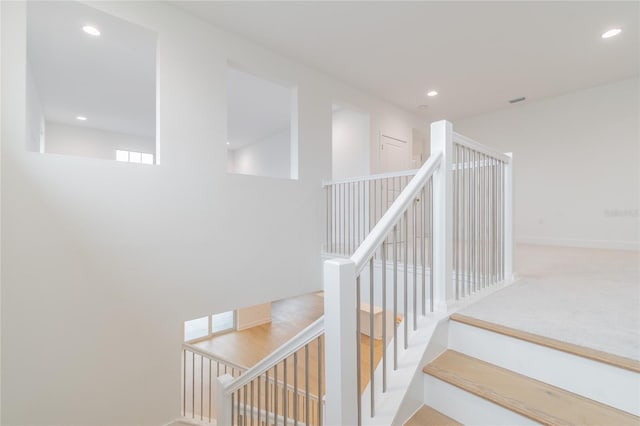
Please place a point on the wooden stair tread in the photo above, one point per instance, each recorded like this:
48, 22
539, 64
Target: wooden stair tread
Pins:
427, 416
582, 351
531, 398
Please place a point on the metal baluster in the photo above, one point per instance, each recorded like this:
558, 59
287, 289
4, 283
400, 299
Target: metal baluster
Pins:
382, 195
493, 215
384, 314
348, 229
472, 202
468, 221
275, 395
258, 385
375, 203
415, 269
285, 396
295, 389
463, 240
320, 376
358, 217
306, 385
184, 382
371, 343
244, 405
431, 245
358, 350
395, 296
456, 245
496, 218
266, 397
406, 279
502, 198
483, 253
423, 248
193, 385
251, 403
370, 205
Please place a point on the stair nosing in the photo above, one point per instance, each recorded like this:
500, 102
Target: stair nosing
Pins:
504, 401
570, 348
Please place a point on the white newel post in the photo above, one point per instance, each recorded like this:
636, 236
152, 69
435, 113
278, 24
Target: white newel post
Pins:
340, 342
508, 217
222, 402
442, 140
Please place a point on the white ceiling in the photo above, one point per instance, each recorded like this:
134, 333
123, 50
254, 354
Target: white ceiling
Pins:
256, 108
477, 55
109, 79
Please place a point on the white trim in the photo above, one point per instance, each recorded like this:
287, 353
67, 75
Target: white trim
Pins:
200, 352
470, 143
595, 244
254, 324
370, 177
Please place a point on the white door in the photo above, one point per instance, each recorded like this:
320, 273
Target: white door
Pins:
395, 154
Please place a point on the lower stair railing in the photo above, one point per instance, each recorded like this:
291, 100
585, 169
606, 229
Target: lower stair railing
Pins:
285, 388
199, 372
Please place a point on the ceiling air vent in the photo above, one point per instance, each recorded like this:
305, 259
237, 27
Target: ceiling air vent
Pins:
516, 100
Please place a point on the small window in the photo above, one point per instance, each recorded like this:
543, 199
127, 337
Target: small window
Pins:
222, 322
208, 326
262, 137
196, 329
134, 157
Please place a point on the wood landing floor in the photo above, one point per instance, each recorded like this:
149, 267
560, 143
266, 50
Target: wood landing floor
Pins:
288, 317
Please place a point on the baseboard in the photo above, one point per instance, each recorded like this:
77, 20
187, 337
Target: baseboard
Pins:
595, 244
254, 324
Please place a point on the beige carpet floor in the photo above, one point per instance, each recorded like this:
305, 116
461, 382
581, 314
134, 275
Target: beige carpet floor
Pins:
582, 296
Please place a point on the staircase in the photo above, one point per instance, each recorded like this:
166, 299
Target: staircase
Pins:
495, 375
406, 253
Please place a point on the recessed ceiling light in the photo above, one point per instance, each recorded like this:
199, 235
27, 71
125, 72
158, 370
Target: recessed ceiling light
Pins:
228, 143
611, 33
432, 93
81, 118
91, 30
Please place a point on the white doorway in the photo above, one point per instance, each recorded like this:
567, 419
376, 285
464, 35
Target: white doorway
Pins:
395, 154
349, 142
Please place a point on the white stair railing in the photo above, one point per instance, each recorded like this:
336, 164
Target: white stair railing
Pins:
199, 372
354, 206
434, 207
285, 388
445, 236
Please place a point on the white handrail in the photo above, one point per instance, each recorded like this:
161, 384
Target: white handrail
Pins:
210, 356
377, 235
370, 177
283, 352
470, 143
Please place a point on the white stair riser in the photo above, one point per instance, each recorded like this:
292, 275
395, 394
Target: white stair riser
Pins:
466, 407
609, 385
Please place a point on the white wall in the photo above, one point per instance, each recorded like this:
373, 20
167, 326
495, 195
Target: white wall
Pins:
253, 316
95, 143
350, 144
35, 115
270, 157
102, 261
576, 165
